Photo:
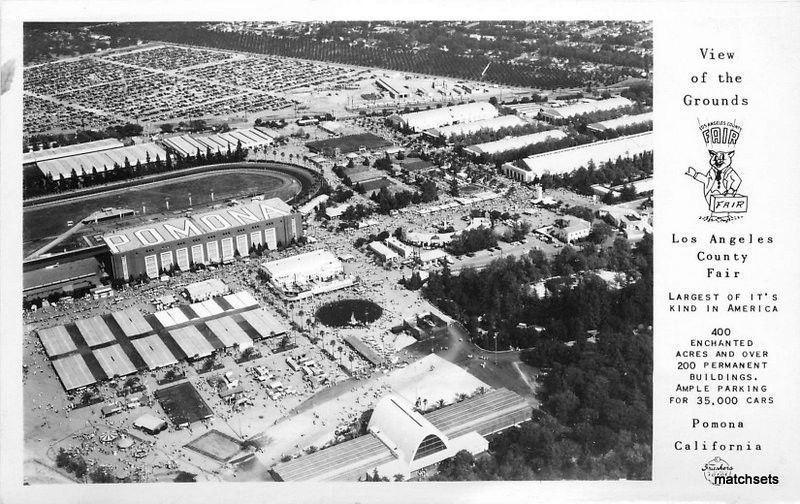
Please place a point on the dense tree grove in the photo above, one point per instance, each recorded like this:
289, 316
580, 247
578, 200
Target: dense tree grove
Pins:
444, 53
473, 240
596, 387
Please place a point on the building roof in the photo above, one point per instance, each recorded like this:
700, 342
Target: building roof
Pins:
114, 361
149, 422
586, 107
355, 456
229, 332
302, 264
640, 186
363, 349
435, 118
467, 128
432, 255
154, 352
70, 150
486, 413
383, 250
395, 422
526, 109
396, 431
73, 371
516, 142
60, 273
187, 145
572, 158
206, 289
626, 120
573, 225
56, 340
101, 160
264, 323
196, 224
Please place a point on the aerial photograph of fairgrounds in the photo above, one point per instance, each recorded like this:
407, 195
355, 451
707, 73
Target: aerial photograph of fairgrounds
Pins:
337, 251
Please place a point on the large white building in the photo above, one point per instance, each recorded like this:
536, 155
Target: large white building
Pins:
619, 122
570, 159
445, 116
86, 162
317, 265
189, 145
511, 143
468, 128
584, 107
402, 441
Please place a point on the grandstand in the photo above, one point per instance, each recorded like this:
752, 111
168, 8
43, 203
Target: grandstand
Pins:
621, 122
468, 128
107, 159
584, 107
570, 159
511, 143
435, 118
70, 150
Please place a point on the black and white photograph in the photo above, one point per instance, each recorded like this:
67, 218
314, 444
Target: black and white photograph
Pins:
337, 251
255, 251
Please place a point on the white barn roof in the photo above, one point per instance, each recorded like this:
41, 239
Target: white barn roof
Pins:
303, 265
572, 158
626, 120
467, 128
435, 118
187, 145
576, 109
101, 160
511, 143
71, 150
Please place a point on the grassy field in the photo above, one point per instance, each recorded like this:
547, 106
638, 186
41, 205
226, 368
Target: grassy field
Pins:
348, 143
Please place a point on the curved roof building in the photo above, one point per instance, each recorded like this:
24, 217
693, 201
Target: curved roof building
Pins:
403, 441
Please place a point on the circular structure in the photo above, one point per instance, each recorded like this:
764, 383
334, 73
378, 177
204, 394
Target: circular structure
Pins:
349, 312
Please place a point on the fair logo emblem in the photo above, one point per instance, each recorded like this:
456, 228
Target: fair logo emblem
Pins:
720, 180
716, 468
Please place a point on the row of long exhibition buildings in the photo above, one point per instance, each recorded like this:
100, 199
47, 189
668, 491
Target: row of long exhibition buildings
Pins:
402, 441
109, 154
208, 237
567, 160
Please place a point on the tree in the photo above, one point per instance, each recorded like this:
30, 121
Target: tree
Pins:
601, 231
454, 187
185, 477
102, 474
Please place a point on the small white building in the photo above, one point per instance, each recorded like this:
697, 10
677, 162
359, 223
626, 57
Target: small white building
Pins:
383, 252
572, 229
